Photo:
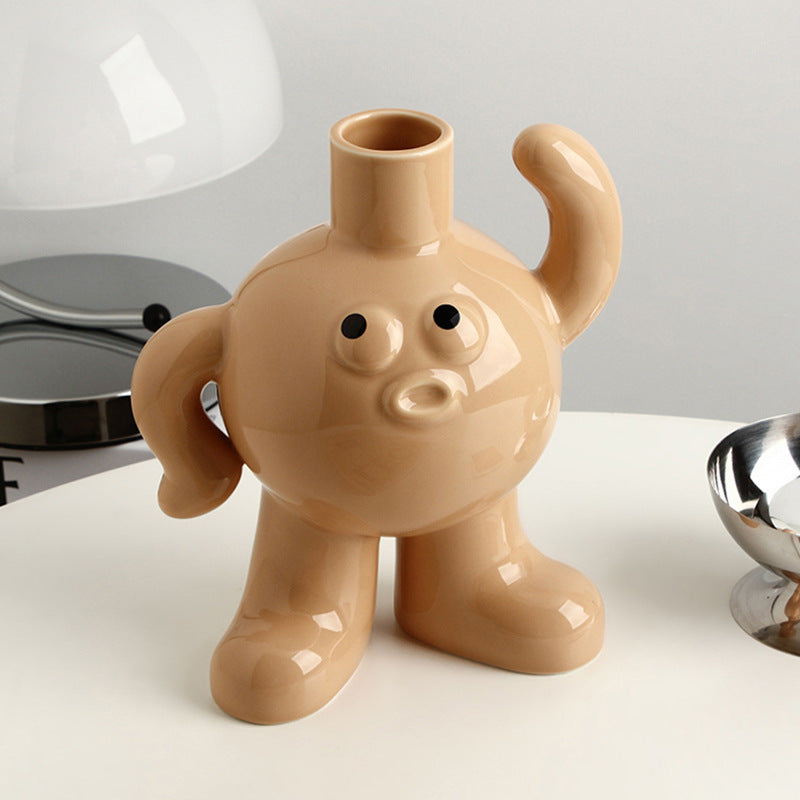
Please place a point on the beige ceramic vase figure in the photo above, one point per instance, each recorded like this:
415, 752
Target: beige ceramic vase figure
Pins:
392, 373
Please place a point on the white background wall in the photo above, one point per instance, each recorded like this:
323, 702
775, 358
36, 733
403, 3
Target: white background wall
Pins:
694, 106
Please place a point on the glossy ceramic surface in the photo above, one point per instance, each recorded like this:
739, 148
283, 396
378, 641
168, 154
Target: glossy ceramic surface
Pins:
755, 482
394, 372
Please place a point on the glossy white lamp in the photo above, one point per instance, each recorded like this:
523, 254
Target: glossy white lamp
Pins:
104, 102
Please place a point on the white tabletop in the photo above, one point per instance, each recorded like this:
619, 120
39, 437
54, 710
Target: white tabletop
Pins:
109, 612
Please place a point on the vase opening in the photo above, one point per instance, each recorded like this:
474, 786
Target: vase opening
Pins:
391, 131
391, 178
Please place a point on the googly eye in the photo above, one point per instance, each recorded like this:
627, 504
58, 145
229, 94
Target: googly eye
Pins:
368, 340
457, 330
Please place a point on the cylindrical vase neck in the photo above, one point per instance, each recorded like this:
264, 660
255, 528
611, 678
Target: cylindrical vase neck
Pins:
392, 178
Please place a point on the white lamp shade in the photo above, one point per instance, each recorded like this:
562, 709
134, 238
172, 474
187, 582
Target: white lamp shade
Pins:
105, 101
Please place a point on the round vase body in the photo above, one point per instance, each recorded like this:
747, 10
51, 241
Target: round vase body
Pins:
408, 426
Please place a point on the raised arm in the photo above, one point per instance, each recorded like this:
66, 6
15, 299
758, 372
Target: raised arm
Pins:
580, 264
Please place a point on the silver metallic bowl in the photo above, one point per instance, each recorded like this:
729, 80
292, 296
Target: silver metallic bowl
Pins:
754, 475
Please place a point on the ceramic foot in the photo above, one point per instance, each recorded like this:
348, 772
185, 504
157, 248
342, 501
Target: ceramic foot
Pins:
303, 623
480, 590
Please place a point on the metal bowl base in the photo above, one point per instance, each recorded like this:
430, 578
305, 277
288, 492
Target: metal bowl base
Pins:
758, 604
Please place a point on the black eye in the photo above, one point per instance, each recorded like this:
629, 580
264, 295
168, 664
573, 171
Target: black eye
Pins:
353, 325
446, 316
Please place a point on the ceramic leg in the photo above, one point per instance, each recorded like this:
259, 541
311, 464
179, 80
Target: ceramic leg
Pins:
303, 623
480, 590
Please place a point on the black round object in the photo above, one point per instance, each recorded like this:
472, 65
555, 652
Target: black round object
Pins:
154, 316
446, 316
353, 326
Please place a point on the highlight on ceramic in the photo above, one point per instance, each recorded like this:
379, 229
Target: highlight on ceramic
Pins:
391, 373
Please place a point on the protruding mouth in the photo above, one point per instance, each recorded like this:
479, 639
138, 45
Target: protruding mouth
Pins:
420, 398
